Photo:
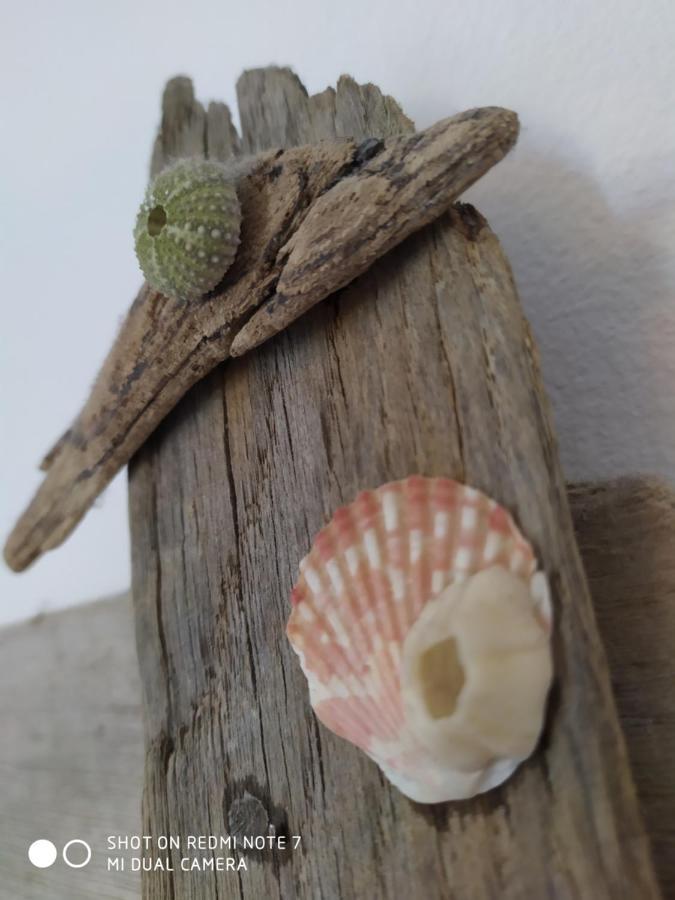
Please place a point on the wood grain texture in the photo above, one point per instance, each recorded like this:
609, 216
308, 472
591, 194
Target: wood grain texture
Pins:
313, 218
71, 751
407, 185
70, 690
626, 534
425, 364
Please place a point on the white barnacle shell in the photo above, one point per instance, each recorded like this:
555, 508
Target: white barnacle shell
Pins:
475, 675
187, 229
423, 627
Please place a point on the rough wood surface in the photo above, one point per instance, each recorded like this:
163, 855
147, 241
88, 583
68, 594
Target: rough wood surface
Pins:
71, 751
313, 219
74, 673
425, 364
626, 534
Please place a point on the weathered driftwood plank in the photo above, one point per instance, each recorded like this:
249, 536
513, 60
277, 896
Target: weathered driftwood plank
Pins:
625, 530
71, 751
425, 364
313, 219
74, 672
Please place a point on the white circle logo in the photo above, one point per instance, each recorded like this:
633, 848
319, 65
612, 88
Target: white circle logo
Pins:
42, 854
77, 865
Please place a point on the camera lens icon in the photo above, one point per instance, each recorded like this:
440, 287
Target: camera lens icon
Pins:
42, 854
82, 862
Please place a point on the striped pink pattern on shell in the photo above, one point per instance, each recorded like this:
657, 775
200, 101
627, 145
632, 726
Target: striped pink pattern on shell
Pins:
364, 582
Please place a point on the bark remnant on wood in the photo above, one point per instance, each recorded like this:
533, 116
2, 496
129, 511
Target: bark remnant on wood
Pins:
425, 364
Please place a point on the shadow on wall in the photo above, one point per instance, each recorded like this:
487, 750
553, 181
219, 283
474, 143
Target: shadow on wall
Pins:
598, 296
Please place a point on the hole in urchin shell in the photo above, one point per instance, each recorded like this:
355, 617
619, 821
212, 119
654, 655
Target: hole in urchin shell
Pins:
156, 220
441, 677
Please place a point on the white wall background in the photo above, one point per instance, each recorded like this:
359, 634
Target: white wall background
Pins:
585, 206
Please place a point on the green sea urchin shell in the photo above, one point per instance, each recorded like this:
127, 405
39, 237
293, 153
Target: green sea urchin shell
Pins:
187, 229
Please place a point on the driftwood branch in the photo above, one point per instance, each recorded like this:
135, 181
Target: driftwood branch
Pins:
424, 364
314, 218
362, 217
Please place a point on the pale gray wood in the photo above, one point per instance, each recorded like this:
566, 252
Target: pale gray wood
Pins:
71, 750
625, 531
425, 364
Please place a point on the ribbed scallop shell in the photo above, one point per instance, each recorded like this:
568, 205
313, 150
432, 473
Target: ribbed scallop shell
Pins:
187, 229
362, 586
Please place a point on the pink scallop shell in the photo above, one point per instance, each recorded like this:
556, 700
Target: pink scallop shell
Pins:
363, 584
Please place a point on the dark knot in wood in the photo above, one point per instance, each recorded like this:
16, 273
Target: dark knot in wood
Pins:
247, 817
